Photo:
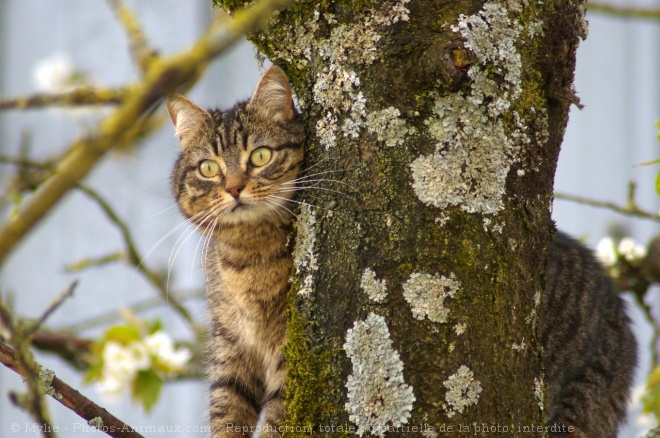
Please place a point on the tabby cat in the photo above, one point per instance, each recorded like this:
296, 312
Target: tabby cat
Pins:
233, 180
590, 353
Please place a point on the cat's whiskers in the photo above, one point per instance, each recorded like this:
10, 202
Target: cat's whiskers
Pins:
204, 237
162, 211
312, 205
207, 244
318, 163
303, 174
318, 180
318, 174
193, 225
304, 182
185, 236
188, 222
277, 204
271, 206
301, 188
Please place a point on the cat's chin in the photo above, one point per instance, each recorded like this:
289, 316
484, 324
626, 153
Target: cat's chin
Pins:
246, 213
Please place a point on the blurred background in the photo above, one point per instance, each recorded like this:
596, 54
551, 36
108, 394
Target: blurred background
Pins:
617, 80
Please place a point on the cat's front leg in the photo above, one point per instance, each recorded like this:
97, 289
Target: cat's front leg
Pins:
272, 422
236, 394
272, 411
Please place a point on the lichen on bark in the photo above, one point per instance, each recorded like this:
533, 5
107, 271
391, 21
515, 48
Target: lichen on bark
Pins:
378, 396
475, 150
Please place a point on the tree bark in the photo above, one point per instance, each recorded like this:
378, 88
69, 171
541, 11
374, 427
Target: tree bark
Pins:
435, 127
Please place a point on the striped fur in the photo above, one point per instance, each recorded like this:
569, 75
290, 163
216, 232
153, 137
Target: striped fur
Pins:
590, 353
243, 210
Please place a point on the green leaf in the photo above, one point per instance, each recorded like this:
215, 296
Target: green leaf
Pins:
651, 402
146, 388
154, 326
651, 397
93, 374
657, 183
657, 123
122, 334
653, 380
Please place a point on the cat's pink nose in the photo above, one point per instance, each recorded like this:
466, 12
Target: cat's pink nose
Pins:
235, 191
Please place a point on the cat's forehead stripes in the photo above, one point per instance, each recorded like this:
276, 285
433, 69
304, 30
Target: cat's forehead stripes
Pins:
230, 131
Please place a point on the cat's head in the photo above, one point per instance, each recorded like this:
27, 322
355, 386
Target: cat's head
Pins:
238, 165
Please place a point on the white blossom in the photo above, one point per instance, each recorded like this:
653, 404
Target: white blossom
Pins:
631, 250
125, 359
606, 251
55, 73
112, 384
158, 343
161, 347
122, 363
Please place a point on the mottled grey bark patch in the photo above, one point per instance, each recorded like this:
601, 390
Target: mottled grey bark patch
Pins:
375, 289
304, 259
377, 394
426, 295
462, 391
479, 137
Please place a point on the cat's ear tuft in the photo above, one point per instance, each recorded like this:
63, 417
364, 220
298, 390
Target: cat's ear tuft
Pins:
273, 95
186, 117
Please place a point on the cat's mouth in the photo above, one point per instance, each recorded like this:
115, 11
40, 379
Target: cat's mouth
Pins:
238, 205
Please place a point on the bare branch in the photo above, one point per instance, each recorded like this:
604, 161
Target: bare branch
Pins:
163, 76
77, 97
114, 316
69, 397
629, 210
51, 308
624, 11
74, 350
96, 261
25, 162
140, 50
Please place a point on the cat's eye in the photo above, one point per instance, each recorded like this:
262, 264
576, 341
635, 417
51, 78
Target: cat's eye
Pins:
260, 156
209, 168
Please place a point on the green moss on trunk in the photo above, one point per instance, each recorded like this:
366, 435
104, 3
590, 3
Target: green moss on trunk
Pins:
312, 400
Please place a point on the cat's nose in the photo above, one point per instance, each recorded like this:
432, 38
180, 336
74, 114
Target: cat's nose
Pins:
235, 190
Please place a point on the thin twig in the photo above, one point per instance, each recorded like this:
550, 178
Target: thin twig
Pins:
625, 11
66, 345
51, 308
628, 210
95, 261
113, 316
70, 398
141, 52
83, 96
163, 76
25, 162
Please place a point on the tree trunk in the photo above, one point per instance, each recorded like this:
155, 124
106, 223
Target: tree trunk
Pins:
435, 128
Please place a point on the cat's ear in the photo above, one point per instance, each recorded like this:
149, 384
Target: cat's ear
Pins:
273, 95
186, 117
